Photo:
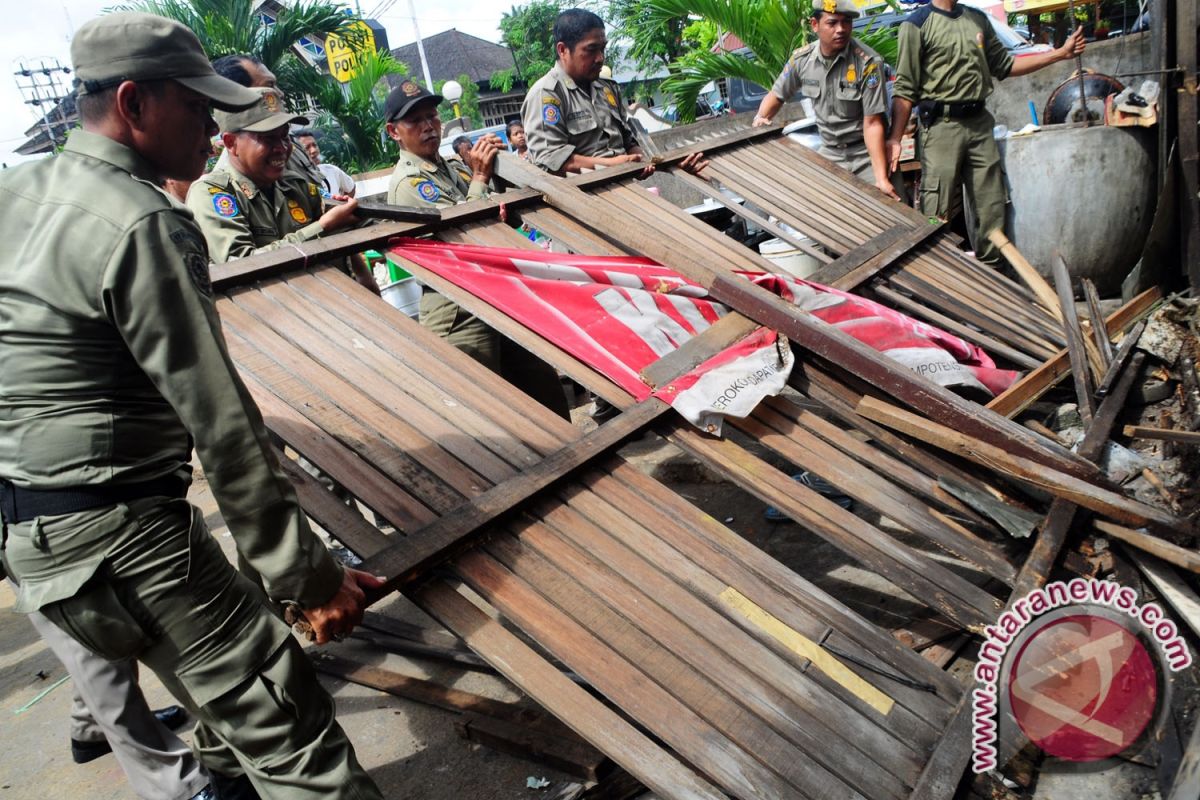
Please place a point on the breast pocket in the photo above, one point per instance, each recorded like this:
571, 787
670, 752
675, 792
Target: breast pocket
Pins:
810, 89
849, 100
579, 122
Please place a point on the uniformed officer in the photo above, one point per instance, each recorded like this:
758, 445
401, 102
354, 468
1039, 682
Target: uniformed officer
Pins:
240, 206
845, 81
114, 368
301, 171
949, 56
422, 177
574, 119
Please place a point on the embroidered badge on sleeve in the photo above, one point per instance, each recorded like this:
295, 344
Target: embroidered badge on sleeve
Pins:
225, 204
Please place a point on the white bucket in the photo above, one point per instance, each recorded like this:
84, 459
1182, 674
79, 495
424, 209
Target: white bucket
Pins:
788, 258
405, 295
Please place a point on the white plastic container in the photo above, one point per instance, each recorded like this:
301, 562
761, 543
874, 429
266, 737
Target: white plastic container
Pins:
405, 295
789, 259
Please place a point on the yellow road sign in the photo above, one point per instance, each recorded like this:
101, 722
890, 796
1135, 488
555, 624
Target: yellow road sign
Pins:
344, 56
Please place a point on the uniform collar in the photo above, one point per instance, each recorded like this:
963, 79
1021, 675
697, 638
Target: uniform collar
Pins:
244, 184
562, 77
845, 51
425, 164
98, 146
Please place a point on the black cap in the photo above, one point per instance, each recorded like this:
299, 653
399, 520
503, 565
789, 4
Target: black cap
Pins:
402, 99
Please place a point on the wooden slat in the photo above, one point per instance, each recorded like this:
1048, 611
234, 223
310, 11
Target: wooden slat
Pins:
340, 520
590, 718
1075, 343
1162, 434
864, 262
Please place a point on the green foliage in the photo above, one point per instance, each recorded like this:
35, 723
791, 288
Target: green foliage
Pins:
655, 41
468, 104
772, 29
528, 31
233, 26
357, 109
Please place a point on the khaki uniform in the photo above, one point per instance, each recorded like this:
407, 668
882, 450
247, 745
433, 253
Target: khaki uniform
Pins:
298, 176
843, 89
444, 183
239, 219
953, 57
114, 367
561, 118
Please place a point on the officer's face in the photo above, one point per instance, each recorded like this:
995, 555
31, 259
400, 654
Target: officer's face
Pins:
419, 131
178, 126
833, 31
261, 157
583, 62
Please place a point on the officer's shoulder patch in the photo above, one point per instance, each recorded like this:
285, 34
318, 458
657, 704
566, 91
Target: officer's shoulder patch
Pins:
551, 113
297, 213
800, 52
427, 190
313, 190
197, 267
549, 99
225, 204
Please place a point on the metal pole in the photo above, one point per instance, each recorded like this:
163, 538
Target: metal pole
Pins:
1087, 116
420, 47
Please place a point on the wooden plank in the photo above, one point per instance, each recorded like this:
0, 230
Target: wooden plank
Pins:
944, 769
340, 520
1075, 347
1182, 557
694, 738
1119, 360
1162, 434
327, 248
1033, 279
567, 754
1170, 586
699, 675
409, 558
1096, 323
661, 772
860, 264
725, 332
905, 385
1060, 484
1020, 395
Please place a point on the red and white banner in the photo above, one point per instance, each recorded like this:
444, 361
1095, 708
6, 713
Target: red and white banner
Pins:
618, 314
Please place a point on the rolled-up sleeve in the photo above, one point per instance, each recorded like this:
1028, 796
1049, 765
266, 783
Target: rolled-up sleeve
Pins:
908, 63
155, 291
546, 129
788, 82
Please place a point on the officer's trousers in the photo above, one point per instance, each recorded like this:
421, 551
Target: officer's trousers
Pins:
512, 362
962, 152
146, 579
108, 705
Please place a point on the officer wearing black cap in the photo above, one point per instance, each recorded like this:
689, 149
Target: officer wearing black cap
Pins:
423, 178
114, 367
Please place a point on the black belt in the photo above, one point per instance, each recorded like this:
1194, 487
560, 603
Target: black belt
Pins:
933, 110
18, 504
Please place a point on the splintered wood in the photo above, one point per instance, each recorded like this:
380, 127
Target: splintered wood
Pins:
725, 672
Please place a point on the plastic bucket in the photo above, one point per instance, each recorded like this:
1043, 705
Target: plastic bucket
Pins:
404, 294
788, 258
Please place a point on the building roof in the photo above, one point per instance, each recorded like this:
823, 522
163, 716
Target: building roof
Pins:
453, 53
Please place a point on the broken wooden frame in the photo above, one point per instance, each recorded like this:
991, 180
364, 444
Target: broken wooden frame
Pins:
721, 653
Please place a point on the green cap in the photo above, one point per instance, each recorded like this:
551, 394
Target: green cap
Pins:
131, 46
845, 7
266, 115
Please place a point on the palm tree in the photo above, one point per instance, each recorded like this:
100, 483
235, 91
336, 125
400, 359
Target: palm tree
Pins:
234, 26
771, 29
357, 109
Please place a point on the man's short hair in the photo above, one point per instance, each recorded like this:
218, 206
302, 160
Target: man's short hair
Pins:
233, 67
459, 141
297, 134
575, 23
516, 123
93, 107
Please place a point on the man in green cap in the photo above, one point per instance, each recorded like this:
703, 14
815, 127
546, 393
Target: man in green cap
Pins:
845, 81
240, 206
114, 368
949, 56
423, 178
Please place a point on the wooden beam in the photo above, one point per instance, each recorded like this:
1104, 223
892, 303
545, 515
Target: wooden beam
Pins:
409, 557
1182, 557
1025, 470
1075, 346
862, 263
1164, 434
1119, 359
1028, 273
725, 332
1021, 394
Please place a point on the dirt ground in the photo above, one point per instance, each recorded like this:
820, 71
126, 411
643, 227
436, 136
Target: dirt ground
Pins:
413, 751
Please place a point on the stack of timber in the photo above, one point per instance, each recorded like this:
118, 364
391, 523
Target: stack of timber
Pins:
727, 673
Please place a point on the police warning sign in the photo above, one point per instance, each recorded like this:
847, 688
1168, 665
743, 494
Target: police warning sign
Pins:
345, 53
